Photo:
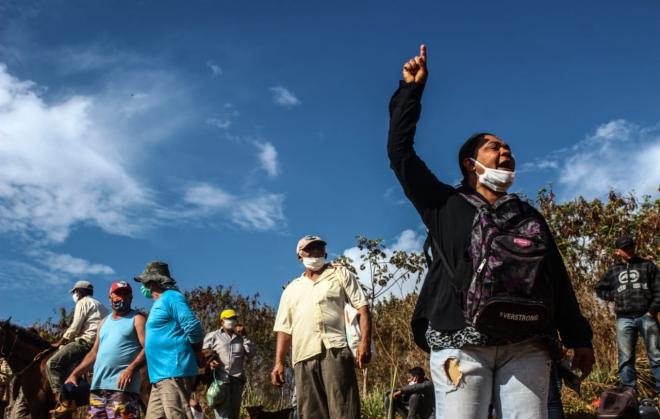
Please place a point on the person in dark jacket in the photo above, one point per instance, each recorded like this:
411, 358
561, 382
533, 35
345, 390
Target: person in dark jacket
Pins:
414, 401
633, 284
470, 369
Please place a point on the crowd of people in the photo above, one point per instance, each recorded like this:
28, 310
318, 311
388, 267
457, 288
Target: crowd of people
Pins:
496, 312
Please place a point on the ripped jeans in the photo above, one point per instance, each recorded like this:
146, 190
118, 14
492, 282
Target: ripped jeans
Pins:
512, 378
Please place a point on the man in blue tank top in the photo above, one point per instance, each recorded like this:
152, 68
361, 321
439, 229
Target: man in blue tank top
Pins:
173, 342
117, 355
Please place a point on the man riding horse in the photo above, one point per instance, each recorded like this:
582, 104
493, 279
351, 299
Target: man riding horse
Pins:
75, 343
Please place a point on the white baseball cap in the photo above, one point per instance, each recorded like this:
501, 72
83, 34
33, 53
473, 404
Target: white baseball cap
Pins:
306, 241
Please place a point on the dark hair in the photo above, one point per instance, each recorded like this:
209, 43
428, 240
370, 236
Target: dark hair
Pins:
469, 149
416, 372
85, 291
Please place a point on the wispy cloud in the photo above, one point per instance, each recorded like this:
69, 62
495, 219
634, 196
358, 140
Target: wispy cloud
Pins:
225, 119
260, 211
619, 155
67, 264
216, 70
268, 158
284, 97
59, 167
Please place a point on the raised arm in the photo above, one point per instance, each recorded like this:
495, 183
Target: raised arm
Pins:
419, 183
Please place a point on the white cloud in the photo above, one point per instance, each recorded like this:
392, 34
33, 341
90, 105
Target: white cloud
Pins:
408, 241
261, 211
538, 165
284, 97
60, 166
268, 158
619, 155
90, 57
215, 69
67, 264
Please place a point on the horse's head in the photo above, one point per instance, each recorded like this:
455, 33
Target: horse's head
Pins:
8, 337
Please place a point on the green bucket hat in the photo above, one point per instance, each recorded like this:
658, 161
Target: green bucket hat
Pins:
156, 272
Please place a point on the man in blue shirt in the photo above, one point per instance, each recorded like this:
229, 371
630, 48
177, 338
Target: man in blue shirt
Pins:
117, 356
173, 338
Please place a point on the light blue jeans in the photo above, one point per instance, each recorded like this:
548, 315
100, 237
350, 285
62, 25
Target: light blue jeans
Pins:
513, 378
627, 331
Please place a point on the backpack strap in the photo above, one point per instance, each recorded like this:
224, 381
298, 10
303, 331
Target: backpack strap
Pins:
430, 241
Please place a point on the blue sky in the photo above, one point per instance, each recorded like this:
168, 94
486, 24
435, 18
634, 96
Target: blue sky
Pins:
213, 134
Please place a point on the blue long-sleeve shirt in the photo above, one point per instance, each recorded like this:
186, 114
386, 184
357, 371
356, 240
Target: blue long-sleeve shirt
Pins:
171, 330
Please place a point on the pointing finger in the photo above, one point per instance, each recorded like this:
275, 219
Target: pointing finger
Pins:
422, 52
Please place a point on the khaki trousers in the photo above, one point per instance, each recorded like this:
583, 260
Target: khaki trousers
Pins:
326, 386
170, 398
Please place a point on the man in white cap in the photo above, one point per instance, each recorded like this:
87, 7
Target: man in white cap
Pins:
310, 320
75, 343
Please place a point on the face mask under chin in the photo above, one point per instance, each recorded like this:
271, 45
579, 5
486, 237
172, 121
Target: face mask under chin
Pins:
496, 180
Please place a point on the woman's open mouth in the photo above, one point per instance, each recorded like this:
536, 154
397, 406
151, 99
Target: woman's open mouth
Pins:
506, 165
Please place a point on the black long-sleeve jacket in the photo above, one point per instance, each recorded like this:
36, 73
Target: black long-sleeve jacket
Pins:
448, 218
633, 286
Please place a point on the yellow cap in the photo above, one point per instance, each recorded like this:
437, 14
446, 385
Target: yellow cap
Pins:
227, 314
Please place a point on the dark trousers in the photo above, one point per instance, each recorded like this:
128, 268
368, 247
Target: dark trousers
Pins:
555, 406
408, 408
65, 359
326, 386
231, 409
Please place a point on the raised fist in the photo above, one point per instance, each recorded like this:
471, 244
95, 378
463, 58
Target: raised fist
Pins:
414, 70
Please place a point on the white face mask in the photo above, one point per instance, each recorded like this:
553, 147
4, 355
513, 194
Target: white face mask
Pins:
75, 297
229, 324
313, 264
495, 179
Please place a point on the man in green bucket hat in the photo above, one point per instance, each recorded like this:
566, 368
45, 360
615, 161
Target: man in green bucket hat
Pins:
173, 339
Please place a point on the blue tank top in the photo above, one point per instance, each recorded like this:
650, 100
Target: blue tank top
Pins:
118, 347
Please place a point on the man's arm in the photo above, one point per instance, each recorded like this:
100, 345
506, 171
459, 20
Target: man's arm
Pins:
248, 344
604, 289
363, 354
88, 360
281, 350
654, 286
79, 316
126, 376
191, 326
422, 387
419, 184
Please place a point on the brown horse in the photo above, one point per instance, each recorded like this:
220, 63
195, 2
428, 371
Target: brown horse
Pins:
27, 353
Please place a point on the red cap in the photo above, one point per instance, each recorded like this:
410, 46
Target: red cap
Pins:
120, 284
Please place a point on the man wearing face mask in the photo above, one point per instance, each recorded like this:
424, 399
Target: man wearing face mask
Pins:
172, 344
76, 341
233, 346
415, 400
479, 275
116, 357
310, 321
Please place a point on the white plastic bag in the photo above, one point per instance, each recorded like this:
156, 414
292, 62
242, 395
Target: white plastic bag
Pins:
353, 334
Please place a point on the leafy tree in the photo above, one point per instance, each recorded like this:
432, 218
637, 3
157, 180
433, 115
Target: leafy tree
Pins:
390, 315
